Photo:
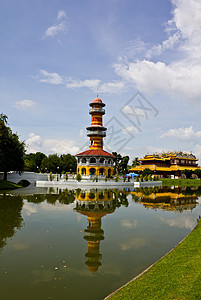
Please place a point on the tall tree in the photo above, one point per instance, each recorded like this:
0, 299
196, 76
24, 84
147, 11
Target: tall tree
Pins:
11, 149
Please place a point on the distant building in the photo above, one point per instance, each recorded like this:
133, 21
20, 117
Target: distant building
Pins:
95, 161
167, 164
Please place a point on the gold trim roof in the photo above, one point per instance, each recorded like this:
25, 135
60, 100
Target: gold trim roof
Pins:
169, 155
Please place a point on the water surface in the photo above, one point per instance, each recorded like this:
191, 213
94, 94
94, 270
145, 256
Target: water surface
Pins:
84, 244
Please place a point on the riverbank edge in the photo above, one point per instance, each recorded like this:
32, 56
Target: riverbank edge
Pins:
117, 294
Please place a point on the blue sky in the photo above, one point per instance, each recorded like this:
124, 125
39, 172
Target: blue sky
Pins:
56, 55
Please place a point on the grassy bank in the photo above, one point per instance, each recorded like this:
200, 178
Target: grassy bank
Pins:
181, 182
7, 185
176, 276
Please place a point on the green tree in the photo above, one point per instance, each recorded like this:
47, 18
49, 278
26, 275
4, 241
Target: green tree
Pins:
198, 172
33, 162
124, 164
78, 177
135, 162
117, 161
146, 171
12, 151
188, 173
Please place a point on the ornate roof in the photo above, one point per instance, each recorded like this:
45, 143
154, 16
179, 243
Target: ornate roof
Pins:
95, 153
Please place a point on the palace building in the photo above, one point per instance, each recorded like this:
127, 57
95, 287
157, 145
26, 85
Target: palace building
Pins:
95, 161
167, 164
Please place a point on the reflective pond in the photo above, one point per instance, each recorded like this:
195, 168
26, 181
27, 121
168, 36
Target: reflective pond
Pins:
84, 244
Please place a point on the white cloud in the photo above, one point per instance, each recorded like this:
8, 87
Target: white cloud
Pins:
178, 79
25, 104
133, 243
129, 224
55, 29
180, 222
197, 151
112, 87
183, 134
52, 78
89, 83
36, 144
61, 14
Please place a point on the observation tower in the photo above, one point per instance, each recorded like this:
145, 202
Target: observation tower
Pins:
96, 161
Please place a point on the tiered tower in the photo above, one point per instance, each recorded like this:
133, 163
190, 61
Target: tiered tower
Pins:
94, 205
95, 161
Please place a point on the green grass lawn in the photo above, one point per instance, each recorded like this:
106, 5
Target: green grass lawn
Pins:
176, 276
181, 182
7, 185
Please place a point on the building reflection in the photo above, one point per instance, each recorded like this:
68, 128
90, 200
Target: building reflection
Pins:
170, 199
94, 205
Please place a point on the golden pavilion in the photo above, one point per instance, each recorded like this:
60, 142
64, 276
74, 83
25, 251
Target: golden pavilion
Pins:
167, 164
95, 161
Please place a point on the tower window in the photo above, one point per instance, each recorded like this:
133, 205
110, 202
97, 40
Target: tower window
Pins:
91, 142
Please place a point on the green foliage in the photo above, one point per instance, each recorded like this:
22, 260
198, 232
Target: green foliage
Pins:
106, 178
149, 177
135, 162
146, 171
137, 179
141, 177
59, 164
198, 172
145, 178
188, 173
78, 177
120, 163
116, 178
33, 162
12, 150
7, 185
66, 176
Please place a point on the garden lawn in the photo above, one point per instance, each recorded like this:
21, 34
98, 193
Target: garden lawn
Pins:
181, 182
175, 276
7, 185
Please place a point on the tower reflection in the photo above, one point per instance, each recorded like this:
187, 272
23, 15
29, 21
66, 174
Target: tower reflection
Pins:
94, 205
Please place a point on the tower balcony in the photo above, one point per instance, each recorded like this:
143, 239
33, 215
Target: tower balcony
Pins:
96, 110
96, 133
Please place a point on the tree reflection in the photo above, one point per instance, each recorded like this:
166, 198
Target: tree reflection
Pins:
10, 217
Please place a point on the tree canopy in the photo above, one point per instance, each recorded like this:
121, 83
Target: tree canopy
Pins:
12, 150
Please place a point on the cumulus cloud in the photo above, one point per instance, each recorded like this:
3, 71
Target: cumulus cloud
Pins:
183, 221
112, 87
55, 29
52, 78
180, 78
184, 134
133, 243
25, 104
129, 224
36, 144
61, 15
58, 27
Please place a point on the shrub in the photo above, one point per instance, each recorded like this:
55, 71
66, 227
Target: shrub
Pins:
145, 178
116, 178
106, 178
78, 177
137, 179
66, 176
149, 177
141, 177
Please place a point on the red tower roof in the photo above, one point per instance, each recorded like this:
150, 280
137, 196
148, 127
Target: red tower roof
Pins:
97, 100
95, 153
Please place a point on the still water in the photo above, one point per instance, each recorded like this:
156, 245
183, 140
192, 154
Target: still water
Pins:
84, 244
